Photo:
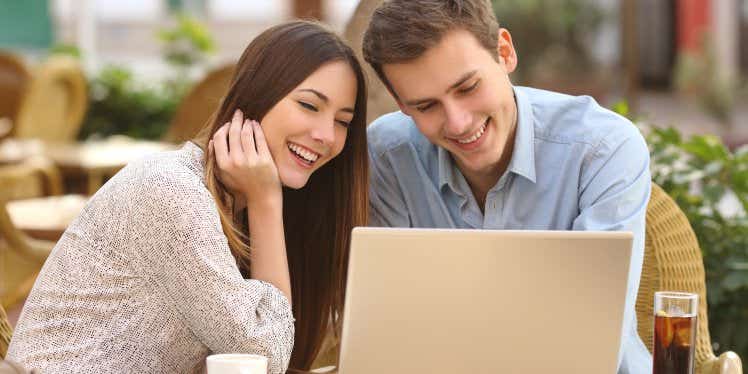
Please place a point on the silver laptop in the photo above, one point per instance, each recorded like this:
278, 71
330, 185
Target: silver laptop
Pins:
481, 301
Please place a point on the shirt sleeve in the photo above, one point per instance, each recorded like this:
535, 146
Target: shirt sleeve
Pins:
615, 187
184, 252
387, 207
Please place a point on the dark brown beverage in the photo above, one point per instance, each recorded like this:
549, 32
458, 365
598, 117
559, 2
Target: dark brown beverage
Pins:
674, 343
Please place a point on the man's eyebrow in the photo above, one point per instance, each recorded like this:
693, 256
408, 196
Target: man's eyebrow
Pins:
324, 98
459, 82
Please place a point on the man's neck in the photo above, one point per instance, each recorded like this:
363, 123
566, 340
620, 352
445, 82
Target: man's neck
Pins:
481, 181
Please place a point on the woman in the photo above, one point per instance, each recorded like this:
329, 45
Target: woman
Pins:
200, 250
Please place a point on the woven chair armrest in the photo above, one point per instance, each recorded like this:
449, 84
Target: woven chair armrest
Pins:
50, 173
728, 363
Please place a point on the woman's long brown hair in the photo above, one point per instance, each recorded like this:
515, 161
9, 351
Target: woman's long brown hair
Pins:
319, 217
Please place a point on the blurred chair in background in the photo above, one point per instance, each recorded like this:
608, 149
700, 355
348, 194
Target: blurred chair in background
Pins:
54, 102
5, 332
14, 76
21, 257
673, 262
199, 104
35, 176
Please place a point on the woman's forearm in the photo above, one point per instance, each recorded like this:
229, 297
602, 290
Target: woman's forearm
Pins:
268, 246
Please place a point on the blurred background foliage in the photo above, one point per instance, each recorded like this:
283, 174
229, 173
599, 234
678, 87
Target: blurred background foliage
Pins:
556, 38
121, 103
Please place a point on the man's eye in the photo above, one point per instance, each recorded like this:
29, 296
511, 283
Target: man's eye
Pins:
468, 89
424, 108
308, 106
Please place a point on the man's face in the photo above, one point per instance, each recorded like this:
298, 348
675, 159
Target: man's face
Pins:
460, 97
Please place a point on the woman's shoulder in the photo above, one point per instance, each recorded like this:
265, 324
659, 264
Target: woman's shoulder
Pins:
167, 179
171, 171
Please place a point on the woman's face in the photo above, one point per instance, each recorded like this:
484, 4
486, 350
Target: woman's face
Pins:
308, 127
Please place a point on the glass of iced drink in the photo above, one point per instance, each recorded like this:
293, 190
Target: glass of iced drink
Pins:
675, 332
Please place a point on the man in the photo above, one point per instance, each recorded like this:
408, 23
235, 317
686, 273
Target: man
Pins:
470, 150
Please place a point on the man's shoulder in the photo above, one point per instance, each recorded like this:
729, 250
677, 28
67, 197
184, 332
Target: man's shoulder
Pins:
393, 130
562, 118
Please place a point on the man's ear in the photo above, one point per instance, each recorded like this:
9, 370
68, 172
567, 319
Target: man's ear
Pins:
506, 52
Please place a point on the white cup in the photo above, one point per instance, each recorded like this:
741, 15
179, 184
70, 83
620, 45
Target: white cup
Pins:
236, 363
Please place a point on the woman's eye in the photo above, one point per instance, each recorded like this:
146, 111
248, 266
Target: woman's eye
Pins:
468, 89
344, 123
306, 105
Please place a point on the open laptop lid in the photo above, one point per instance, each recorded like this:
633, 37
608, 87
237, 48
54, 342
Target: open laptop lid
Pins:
484, 301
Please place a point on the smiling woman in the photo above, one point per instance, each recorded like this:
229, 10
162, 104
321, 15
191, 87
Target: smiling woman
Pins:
237, 243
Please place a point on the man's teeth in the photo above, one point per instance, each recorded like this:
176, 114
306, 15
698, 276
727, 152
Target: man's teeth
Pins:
475, 136
303, 153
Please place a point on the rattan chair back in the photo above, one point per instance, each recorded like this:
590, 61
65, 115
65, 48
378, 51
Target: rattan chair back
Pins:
198, 105
54, 102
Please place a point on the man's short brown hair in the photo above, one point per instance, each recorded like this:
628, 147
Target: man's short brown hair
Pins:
403, 30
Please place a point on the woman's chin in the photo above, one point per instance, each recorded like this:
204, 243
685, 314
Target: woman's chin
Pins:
294, 180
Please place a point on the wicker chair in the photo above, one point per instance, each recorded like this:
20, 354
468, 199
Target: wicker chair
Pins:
673, 262
196, 108
5, 332
54, 102
14, 76
21, 257
33, 177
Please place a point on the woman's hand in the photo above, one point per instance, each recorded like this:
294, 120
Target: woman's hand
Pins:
245, 164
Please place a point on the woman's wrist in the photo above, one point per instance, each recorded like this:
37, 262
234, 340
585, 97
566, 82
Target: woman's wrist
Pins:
271, 203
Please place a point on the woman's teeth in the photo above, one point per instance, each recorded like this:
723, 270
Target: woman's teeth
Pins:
475, 136
303, 153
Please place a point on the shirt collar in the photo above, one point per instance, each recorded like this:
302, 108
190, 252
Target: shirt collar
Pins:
523, 155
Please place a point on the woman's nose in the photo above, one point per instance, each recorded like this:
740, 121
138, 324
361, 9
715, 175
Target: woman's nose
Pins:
324, 132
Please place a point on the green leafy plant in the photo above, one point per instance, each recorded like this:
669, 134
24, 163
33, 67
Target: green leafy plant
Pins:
122, 104
187, 43
118, 104
710, 184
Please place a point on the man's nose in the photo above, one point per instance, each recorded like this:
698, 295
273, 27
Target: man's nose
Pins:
458, 119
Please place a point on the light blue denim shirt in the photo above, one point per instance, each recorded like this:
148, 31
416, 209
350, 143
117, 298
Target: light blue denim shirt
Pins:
575, 166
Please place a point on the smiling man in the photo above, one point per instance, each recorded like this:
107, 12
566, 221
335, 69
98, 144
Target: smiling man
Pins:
470, 150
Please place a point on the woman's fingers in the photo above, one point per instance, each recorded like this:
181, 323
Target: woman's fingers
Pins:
235, 144
220, 146
262, 145
248, 140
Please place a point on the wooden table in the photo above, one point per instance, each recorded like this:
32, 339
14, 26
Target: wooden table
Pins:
101, 158
13, 151
45, 217
95, 159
